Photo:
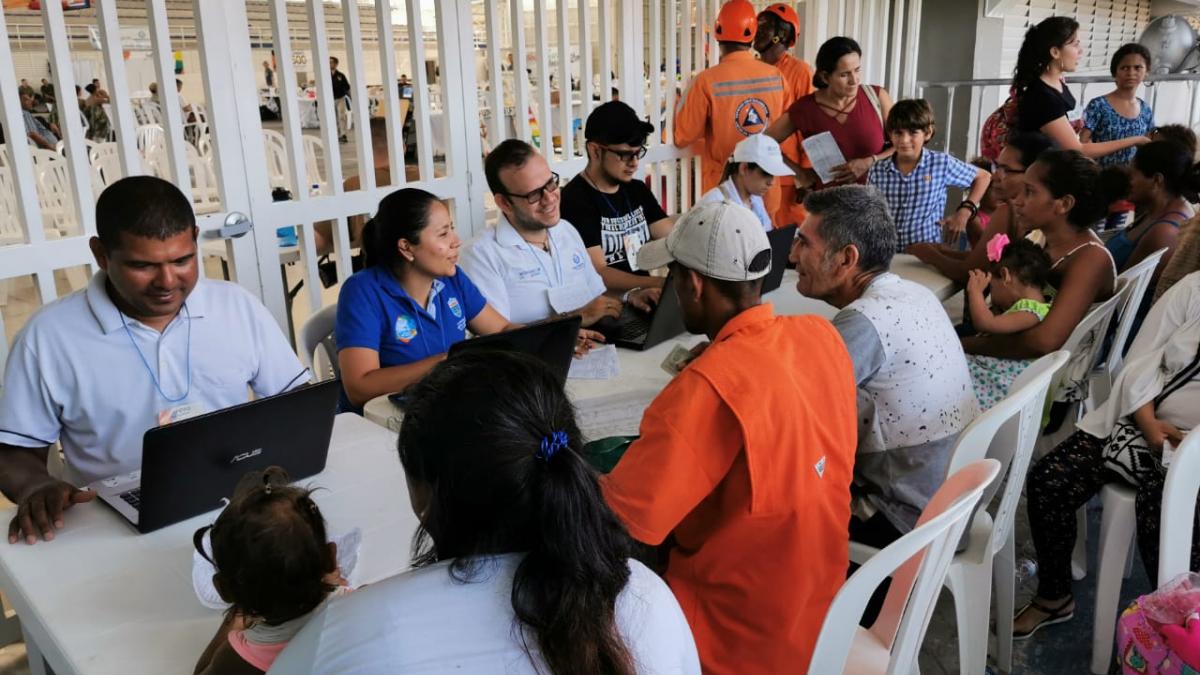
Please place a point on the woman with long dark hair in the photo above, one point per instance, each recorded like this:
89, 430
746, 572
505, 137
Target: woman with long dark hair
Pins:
521, 565
1050, 50
852, 111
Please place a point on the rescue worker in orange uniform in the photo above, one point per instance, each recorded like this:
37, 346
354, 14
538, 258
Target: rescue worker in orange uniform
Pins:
731, 100
778, 30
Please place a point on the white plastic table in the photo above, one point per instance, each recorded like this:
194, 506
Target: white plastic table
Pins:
641, 377
103, 599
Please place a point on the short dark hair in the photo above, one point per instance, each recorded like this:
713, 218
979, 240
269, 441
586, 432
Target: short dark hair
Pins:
910, 114
1126, 50
828, 56
511, 153
403, 214
859, 216
1172, 161
1027, 261
1030, 144
90, 88
142, 206
511, 477
271, 553
741, 293
334, 59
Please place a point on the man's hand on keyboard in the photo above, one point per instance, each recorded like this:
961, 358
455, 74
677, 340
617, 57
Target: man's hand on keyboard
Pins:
645, 298
40, 511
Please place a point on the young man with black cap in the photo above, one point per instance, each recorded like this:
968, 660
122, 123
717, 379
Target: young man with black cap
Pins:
614, 213
745, 459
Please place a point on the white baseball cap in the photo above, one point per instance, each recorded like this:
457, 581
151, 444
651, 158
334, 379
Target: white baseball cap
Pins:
763, 151
720, 240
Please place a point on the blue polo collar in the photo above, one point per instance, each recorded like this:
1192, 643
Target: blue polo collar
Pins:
391, 286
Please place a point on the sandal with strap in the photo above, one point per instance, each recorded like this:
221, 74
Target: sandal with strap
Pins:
1061, 614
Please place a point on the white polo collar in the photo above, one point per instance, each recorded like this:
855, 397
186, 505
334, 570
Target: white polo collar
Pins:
106, 314
507, 235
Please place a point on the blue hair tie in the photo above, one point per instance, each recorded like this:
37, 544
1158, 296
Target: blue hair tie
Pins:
551, 444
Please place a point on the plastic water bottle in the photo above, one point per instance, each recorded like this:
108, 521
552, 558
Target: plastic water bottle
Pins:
1026, 569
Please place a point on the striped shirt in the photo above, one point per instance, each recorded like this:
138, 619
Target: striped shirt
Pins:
918, 200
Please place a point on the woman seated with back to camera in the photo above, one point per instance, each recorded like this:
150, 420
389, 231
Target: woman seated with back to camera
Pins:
521, 565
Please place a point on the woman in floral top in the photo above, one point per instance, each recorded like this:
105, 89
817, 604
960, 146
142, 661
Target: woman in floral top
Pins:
1120, 113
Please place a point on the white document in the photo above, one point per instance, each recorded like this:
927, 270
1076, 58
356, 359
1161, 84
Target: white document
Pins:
569, 298
824, 154
612, 415
599, 364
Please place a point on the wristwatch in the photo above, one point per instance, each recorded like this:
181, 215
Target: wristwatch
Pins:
625, 297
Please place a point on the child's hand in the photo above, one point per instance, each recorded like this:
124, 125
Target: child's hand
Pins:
335, 578
977, 281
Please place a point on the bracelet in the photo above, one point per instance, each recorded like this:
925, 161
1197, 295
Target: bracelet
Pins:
970, 205
625, 297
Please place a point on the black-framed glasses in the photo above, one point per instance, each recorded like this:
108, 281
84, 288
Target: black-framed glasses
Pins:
626, 155
1000, 168
535, 196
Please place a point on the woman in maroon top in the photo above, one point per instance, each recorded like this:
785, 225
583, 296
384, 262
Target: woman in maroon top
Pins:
853, 114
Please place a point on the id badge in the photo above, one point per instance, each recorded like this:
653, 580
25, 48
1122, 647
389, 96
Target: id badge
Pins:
180, 412
633, 243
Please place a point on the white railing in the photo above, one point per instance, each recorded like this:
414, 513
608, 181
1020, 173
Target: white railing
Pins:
1173, 98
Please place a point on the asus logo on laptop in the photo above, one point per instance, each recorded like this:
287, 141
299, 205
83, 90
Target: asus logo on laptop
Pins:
246, 455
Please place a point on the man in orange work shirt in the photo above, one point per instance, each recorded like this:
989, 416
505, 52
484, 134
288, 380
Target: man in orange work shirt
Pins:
731, 100
746, 456
778, 29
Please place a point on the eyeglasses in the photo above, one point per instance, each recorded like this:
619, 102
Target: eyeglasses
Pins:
535, 196
626, 155
1000, 168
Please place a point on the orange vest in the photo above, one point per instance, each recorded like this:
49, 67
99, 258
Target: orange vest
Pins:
726, 103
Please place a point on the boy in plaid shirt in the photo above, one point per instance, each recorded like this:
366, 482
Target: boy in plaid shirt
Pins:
914, 180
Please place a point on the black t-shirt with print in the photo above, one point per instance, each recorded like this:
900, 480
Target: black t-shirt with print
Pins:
606, 219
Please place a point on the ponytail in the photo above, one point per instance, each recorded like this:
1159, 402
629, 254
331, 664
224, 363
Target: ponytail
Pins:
509, 477
1069, 172
1034, 57
1172, 161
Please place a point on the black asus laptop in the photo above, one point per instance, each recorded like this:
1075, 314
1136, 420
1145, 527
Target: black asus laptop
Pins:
781, 245
641, 331
551, 341
191, 466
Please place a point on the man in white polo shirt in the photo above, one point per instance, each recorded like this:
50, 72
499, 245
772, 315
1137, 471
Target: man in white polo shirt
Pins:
530, 266
145, 343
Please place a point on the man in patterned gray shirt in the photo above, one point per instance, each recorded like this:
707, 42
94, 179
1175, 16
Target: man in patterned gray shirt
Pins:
914, 389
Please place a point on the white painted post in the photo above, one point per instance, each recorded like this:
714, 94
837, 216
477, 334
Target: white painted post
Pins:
566, 96
391, 92
520, 77
122, 107
70, 124
168, 97
422, 112
333, 152
359, 102
498, 129
545, 115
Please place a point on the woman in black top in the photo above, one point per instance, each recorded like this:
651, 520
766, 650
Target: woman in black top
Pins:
1051, 49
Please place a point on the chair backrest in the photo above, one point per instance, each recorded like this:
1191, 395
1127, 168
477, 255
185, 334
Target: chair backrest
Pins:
1014, 443
10, 222
149, 139
314, 163
316, 338
1084, 345
1178, 509
1136, 286
917, 563
277, 164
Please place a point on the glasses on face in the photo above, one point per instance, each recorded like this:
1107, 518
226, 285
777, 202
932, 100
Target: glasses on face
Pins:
535, 196
626, 155
1001, 169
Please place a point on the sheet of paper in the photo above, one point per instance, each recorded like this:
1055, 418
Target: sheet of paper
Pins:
599, 364
613, 415
824, 154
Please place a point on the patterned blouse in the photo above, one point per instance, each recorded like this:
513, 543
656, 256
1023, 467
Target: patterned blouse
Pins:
1107, 124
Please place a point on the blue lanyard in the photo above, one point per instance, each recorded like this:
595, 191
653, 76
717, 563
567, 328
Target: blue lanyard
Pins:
557, 259
153, 376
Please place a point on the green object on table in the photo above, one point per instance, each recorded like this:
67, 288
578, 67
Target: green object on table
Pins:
606, 452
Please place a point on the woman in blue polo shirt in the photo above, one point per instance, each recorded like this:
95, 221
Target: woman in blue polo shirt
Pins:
397, 318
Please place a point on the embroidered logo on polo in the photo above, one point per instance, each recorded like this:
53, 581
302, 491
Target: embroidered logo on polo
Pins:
455, 308
406, 328
751, 116
576, 260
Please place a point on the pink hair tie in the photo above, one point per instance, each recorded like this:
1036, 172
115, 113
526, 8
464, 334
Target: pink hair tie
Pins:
995, 247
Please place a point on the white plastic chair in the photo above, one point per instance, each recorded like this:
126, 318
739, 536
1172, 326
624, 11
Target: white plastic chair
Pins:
314, 165
206, 194
1117, 528
1007, 433
54, 198
277, 163
318, 352
1135, 288
150, 139
917, 563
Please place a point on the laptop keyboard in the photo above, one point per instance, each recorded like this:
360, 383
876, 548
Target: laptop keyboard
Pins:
133, 497
635, 326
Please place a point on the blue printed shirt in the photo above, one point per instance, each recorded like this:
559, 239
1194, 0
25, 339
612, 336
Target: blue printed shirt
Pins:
918, 201
1107, 124
375, 312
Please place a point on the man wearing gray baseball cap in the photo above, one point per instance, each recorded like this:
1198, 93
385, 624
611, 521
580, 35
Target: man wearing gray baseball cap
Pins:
746, 456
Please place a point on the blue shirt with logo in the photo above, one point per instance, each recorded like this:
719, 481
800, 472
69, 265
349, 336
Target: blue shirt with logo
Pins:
375, 312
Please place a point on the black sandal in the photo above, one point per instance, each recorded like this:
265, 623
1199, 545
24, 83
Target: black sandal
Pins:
1053, 615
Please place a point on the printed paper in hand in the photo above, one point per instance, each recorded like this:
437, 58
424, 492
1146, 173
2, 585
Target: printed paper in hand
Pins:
824, 154
599, 364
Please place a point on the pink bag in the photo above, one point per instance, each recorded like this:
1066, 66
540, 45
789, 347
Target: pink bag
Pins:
1159, 634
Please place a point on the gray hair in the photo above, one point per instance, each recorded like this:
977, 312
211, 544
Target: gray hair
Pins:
859, 216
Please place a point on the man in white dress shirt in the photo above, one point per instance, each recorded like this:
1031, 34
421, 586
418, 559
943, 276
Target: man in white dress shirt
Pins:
146, 343
530, 266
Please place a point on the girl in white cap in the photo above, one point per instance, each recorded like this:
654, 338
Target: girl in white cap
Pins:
750, 172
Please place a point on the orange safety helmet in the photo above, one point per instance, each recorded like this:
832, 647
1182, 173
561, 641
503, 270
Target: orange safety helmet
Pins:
736, 22
787, 13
